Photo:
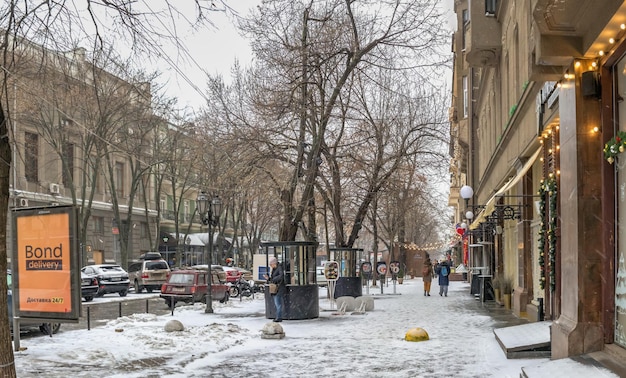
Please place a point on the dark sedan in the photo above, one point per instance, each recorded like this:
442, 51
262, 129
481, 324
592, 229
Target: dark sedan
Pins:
112, 278
88, 286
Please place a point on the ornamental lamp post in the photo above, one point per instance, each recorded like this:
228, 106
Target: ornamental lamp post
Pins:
466, 193
210, 214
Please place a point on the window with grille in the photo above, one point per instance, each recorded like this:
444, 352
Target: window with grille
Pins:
31, 157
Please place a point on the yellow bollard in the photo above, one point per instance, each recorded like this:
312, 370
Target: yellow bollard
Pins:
416, 334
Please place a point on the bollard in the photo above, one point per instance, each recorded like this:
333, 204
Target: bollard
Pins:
88, 318
147, 307
120, 309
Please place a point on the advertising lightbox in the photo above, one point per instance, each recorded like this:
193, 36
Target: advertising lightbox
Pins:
46, 266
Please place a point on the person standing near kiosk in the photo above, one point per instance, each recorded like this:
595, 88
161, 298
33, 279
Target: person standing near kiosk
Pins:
277, 277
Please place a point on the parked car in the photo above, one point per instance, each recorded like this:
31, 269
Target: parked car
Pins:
191, 285
111, 278
88, 286
149, 274
232, 274
247, 275
45, 328
215, 268
321, 277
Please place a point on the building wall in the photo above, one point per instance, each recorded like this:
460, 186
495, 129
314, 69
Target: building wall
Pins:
537, 43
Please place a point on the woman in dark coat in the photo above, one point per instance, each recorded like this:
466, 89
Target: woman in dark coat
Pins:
277, 277
443, 271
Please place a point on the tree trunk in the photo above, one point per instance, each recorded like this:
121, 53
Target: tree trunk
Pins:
7, 366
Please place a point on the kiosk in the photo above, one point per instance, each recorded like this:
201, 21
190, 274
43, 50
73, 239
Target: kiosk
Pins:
301, 299
349, 283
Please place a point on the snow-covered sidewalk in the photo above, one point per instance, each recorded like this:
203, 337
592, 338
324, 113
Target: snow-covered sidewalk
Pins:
228, 343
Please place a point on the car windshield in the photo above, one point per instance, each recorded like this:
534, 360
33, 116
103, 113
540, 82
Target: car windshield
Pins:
182, 278
154, 265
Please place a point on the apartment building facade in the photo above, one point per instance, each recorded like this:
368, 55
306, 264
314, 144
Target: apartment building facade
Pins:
536, 133
84, 136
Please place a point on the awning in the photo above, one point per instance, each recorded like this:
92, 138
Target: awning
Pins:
491, 203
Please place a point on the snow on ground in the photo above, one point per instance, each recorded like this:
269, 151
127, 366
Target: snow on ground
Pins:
228, 343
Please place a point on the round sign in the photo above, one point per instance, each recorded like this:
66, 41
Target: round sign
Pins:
366, 267
381, 269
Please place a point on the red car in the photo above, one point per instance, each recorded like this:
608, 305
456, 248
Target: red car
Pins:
191, 286
232, 274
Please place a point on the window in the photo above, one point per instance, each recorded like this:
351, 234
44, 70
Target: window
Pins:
465, 26
119, 179
465, 97
144, 230
98, 225
31, 157
68, 164
490, 7
186, 210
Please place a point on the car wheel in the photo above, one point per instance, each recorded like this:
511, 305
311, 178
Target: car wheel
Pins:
226, 298
138, 288
123, 293
88, 298
149, 290
47, 328
233, 291
100, 293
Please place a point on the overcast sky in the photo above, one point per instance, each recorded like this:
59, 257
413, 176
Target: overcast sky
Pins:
215, 50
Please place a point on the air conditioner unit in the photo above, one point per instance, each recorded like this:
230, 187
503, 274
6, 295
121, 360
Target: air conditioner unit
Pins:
54, 188
54, 204
23, 202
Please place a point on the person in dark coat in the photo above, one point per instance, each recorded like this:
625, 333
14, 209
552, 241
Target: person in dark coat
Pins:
443, 272
277, 277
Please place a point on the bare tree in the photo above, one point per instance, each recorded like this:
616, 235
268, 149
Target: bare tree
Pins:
56, 23
308, 54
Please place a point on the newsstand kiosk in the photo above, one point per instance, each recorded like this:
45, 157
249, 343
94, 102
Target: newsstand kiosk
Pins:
301, 299
349, 282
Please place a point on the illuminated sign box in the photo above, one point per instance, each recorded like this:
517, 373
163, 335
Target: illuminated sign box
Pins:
46, 264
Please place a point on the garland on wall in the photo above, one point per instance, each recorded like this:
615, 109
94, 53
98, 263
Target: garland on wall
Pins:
547, 232
615, 146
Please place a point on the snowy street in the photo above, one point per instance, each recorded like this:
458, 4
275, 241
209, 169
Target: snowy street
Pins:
228, 343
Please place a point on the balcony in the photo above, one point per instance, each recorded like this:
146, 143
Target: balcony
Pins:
482, 35
570, 29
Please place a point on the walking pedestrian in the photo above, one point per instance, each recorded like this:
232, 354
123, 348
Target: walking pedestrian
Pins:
427, 275
443, 271
277, 277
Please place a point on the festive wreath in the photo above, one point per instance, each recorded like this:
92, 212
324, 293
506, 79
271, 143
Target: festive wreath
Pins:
615, 146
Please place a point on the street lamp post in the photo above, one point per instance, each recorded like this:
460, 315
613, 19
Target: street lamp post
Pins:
210, 214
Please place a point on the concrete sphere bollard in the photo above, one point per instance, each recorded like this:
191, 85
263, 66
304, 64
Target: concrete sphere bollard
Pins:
416, 334
174, 326
272, 330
